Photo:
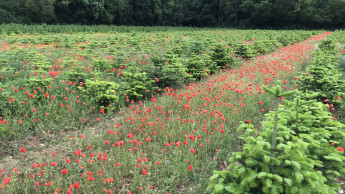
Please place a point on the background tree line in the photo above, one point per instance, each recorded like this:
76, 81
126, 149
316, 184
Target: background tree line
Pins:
200, 13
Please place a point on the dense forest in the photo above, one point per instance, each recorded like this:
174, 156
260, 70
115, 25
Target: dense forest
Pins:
200, 13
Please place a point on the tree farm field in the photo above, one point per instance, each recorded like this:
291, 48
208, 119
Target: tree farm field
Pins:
149, 110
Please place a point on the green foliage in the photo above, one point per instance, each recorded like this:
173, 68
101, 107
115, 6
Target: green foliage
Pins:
39, 61
102, 64
11, 12
75, 76
199, 65
303, 160
322, 75
6, 107
266, 46
200, 13
311, 122
277, 91
40, 11
135, 84
197, 47
329, 46
220, 56
10, 107
169, 71
103, 93
38, 83
245, 50
342, 62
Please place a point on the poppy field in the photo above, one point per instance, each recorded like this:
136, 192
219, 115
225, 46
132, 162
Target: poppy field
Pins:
140, 111
55, 81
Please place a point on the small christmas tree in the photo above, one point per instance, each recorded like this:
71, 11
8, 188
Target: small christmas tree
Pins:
292, 154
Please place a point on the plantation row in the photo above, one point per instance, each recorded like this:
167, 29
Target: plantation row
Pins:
63, 81
298, 149
170, 144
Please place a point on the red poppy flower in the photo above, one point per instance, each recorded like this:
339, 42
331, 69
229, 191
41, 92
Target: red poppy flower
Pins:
76, 185
190, 167
64, 171
23, 149
7, 180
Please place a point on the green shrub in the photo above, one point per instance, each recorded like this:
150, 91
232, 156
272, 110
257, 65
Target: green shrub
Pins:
196, 47
169, 71
220, 56
245, 50
323, 76
314, 124
38, 83
135, 84
75, 76
265, 46
101, 64
292, 153
199, 66
103, 93
329, 46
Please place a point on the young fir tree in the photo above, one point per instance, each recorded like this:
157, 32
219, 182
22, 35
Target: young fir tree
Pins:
323, 76
311, 122
329, 46
135, 83
104, 93
168, 69
290, 155
220, 57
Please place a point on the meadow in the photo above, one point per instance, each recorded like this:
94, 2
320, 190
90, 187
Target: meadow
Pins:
145, 110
